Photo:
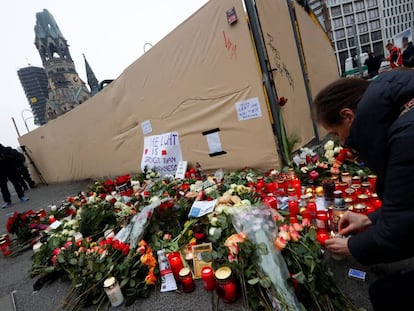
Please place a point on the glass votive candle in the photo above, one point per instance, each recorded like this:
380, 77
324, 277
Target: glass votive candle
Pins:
176, 264
356, 180
346, 177
186, 280
372, 179
226, 287
293, 208
322, 220
207, 274
322, 236
113, 291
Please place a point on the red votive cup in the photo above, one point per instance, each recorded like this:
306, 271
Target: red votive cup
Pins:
322, 236
176, 264
186, 280
226, 287
207, 274
293, 208
322, 220
270, 201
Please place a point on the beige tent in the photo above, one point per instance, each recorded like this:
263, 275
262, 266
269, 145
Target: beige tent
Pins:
202, 85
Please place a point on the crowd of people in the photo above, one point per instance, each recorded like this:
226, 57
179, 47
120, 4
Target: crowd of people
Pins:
13, 168
397, 58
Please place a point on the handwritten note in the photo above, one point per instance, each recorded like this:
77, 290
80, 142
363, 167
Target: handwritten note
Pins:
146, 127
162, 153
248, 109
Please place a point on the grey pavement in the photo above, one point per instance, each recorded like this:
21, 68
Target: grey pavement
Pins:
16, 282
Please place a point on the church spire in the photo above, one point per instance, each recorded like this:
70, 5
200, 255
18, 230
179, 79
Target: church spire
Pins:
92, 81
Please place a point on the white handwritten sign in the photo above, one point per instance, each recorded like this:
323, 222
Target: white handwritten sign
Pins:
162, 153
248, 109
146, 127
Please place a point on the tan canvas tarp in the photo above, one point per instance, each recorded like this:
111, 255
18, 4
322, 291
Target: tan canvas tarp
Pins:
287, 72
189, 82
319, 63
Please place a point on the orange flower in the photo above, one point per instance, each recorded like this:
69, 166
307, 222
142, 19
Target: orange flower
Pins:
280, 243
150, 279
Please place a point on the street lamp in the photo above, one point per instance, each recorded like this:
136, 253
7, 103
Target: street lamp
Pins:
24, 119
147, 43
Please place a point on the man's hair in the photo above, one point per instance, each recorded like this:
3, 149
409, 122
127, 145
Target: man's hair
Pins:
389, 44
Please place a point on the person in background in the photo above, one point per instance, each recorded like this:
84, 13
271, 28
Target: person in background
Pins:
373, 64
395, 56
408, 53
8, 171
375, 119
25, 179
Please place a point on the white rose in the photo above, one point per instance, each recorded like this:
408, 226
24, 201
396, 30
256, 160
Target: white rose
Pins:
329, 154
219, 209
53, 208
337, 149
329, 145
213, 221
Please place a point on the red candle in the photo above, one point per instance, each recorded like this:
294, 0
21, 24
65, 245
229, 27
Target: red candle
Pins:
5, 248
186, 280
311, 207
226, 287
207, 274
270, 201
176, 263
322, 220
296, 184
322, 236
293, 208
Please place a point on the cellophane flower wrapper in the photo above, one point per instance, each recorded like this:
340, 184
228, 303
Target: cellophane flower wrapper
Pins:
135, 230
258, 225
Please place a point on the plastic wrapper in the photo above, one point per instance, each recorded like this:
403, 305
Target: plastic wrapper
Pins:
258, 225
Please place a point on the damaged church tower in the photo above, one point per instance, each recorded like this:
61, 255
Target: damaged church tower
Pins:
66, 90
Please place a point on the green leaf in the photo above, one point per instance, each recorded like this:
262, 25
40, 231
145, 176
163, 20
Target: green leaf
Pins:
132, 282
206, 256
73, 262
61, 258
262, 248
124, 282
98, 276
253, 281
300, 277
265, 282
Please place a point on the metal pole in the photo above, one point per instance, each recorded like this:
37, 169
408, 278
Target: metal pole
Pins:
358, 47
15, 126
267, 80
302, 65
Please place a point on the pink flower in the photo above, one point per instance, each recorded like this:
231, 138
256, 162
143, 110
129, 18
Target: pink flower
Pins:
306, 222
167, 237
313, 175
231, 242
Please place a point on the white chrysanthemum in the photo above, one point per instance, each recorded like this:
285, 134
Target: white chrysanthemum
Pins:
219, 208
250, 177
154, 199
246, 202
329, 145
337, 149
214, 221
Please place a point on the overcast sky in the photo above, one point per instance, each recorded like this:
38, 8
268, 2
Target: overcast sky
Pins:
111, 34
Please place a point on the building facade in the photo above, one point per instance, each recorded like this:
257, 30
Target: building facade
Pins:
358, 26
34, 82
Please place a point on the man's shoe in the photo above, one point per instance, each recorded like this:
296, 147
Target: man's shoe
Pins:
6, 204
24, 199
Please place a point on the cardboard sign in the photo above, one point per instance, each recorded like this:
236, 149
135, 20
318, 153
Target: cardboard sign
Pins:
198, 262
162, 153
